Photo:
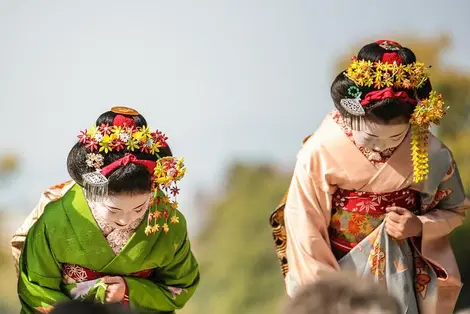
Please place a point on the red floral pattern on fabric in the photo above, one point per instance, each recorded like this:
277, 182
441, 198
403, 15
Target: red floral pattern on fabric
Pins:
357, 214
377, 159
439, 196
425, 266
421, 282
422, 278
372, 203
76, 273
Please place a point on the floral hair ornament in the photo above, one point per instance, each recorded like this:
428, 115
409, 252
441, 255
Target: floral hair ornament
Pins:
124, 136
389, 77
384, 74
428, 111
106, 138
95, 183
168, 171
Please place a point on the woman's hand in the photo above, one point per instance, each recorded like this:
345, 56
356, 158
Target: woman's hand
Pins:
401, 224
116, 289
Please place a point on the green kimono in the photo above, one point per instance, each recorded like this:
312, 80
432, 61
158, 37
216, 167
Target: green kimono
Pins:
66, 241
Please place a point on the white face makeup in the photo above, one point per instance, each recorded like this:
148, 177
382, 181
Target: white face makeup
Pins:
380, 137
120, 211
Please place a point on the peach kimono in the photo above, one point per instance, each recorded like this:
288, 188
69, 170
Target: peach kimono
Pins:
334, 211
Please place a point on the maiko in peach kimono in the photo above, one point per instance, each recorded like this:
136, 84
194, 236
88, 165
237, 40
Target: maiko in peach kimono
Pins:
334, 216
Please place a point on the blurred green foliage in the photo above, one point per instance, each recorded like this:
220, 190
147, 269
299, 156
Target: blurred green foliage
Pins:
239, 268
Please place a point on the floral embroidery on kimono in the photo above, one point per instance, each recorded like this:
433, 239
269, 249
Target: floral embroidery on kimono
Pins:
377, 261
357, 214
422, 278
117, 238
75, 273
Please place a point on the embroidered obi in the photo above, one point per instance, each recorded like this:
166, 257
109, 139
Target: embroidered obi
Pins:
357, 214
82, 281
72, 273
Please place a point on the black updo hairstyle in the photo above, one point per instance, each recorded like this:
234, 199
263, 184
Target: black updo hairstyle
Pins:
384, 110
127, 179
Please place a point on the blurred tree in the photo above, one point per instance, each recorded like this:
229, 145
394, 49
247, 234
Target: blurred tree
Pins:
9, 165
239, 269
8, 299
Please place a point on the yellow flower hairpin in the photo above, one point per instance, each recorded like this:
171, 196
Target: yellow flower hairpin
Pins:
428, 111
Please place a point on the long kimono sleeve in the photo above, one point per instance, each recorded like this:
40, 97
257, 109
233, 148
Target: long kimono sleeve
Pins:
19, 237
445, 213
450, 204
40, 276
307, 217
170, 289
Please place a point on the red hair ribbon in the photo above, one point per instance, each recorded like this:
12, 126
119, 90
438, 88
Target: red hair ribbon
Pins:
121, 120
390, 57
128, 158
387, 93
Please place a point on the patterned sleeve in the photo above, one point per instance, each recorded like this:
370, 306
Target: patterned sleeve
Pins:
449, 205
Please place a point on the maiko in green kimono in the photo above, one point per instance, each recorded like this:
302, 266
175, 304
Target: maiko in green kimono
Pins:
114, 233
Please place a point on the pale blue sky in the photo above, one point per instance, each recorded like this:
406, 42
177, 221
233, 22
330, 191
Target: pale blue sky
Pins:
224, 79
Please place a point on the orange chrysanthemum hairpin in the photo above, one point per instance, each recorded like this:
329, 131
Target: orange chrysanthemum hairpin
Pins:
384, 74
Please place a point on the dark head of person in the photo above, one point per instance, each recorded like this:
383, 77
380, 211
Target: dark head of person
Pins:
83, 307
386, 108
128, 179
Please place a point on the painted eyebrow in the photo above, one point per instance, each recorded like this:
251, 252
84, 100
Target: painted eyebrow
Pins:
370, 134
377, 136
132, 208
